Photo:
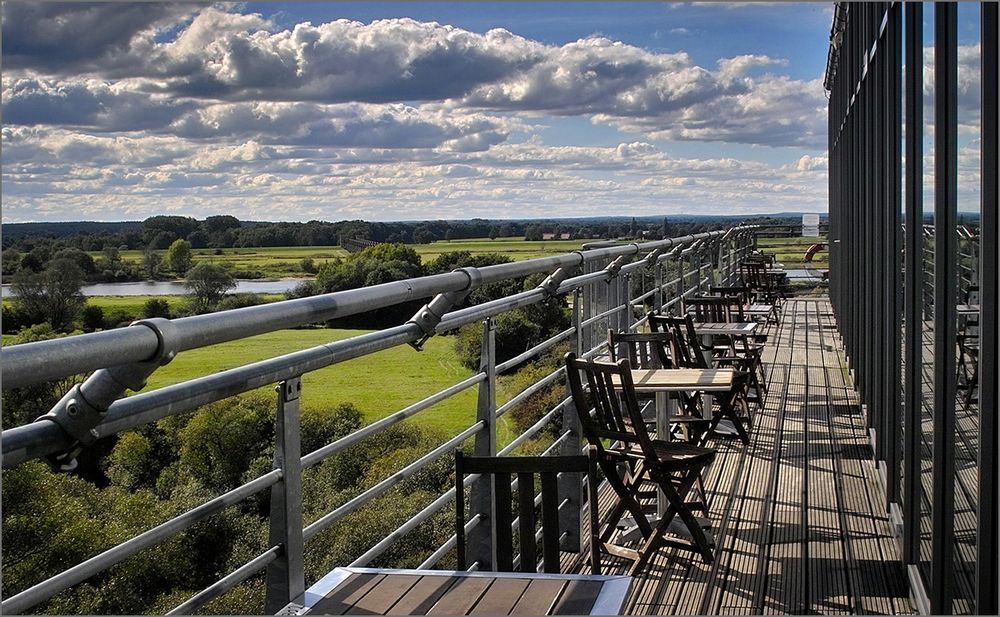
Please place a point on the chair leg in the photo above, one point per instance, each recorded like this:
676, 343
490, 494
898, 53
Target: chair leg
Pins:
675, 497
625, 490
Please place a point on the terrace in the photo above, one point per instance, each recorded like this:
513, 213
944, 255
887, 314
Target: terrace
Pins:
844, 499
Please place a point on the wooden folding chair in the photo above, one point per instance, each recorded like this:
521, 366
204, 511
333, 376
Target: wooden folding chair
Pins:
734, 405
606, 403
500, 469
649, 350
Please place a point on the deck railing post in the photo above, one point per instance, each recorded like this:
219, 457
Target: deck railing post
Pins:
285, 580
570, 486
479, 545
658, 281
679, 296
625, 318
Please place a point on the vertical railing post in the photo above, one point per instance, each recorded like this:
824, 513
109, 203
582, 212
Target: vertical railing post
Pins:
285, 581
718, 273
479, 545
680, 284
658, 281
570, 484
625, 317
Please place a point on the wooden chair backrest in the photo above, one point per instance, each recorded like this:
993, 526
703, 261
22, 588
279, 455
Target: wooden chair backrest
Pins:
643, 349
755, 276
607, 411
687, 349
741, 293
710, 309
500, 470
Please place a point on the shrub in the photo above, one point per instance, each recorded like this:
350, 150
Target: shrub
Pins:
117, 318
92, 317
156, 307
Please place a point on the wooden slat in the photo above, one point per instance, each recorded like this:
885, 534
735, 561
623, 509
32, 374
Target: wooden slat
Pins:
550, 522
539, 597
526, 520
501, 597
423, 595
461, 597
504, 548
384, 594
577, 598
343, 597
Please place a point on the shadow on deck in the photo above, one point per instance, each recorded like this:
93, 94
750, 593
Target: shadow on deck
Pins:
798, 515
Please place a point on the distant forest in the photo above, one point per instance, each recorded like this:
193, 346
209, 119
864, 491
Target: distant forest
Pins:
159, 232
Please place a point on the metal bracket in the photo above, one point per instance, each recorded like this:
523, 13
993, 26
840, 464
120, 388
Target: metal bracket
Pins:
552, 282
83, 408
652, 257
430, 314
613, 268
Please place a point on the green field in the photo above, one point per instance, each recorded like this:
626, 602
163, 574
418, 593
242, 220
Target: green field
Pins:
378, 384
790, 251
515, 248
272, 262
286, 261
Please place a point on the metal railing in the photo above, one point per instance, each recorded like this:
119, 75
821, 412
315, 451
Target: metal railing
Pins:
606, 286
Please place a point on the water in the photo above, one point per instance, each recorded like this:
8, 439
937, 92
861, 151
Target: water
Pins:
174, 288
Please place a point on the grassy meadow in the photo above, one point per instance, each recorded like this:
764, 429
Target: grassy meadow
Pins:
378, 384
286, 261
790, 251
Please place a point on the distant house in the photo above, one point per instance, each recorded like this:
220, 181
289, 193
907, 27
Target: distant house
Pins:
548, 236
564, 236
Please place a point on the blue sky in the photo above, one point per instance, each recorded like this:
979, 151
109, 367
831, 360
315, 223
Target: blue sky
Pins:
389, 111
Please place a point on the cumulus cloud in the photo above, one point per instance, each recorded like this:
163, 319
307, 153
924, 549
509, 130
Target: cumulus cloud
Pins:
92, 104
60, 37
197, 110
235, 57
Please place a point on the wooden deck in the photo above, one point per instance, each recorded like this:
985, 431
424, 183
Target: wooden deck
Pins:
798, 514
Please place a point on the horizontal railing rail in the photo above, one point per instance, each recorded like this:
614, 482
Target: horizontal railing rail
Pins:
603, 297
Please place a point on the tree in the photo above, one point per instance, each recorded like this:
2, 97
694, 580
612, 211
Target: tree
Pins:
208, 283
179, 257
156, 307
52, 295
152, 263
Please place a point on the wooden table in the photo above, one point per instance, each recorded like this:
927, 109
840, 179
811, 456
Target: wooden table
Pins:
664, 381
707, 329
759, 310
372, 591
680, 379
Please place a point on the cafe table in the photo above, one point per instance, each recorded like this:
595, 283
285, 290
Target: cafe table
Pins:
665, 381
375, 591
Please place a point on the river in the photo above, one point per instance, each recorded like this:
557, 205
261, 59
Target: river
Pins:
176, 288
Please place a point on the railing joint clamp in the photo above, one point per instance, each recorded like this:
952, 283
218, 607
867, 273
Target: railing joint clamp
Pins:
652, 257
430, 314
613, 268
552, 282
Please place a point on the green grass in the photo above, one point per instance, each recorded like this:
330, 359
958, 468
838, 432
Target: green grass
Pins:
790, 251
133, 304
378, 384
515, 248
286, 261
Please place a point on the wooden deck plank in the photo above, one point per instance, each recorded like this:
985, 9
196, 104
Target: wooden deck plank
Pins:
798, 515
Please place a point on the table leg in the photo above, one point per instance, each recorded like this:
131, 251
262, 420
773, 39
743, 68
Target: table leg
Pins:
666, 406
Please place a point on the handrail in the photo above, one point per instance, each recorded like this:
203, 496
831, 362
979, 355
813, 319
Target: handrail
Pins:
46, 360
43, 437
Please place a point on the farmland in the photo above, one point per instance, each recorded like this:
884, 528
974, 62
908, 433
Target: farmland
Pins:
377, 384
284, 261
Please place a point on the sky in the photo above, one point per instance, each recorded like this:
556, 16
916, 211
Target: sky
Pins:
402, 111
